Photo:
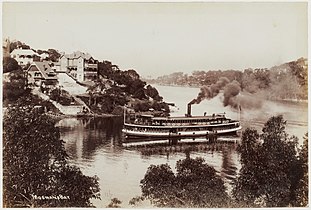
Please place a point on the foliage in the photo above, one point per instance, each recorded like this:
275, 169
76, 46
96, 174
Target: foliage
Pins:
115, 87
35, 163
153, 93
248, 146
144, 106
286, 81
15, 86
270, 171
18, 44
53, 55
106, 69
136, 200
104, 97
302, 190
61, 96
42, 51
284, 85
10, 64
115, 203
34, 100
118, 110
194, 185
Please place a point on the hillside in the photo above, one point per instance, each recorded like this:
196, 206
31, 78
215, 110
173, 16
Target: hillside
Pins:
115, 88
107, 93
286, 81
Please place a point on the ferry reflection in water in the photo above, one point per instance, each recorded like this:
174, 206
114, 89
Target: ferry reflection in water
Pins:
95, 145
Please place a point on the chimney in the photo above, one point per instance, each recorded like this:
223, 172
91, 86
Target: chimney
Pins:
189, 110
189, 107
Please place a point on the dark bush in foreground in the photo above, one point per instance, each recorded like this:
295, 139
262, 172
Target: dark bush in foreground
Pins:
35, 168
194, 185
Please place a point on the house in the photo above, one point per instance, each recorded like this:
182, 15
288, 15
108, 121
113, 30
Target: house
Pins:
56, 66
41, 74
81, 66
44, 56
24, 56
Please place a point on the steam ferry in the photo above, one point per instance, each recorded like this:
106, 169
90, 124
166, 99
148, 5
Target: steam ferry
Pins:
148, 126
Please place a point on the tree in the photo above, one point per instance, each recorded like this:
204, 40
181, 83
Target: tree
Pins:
248, 146
285, 86
106, 69
268, 176
132, 73
158, 185
115, 203
153, 93
10, 64
15, 86
18, 44
302, 190
199, 185
35, 168
194, 185
53, 55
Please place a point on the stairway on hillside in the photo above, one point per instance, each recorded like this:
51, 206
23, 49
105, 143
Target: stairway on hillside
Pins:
67, 110
70, 85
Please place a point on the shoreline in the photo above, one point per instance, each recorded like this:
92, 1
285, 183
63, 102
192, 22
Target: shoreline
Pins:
294, 100
63, 116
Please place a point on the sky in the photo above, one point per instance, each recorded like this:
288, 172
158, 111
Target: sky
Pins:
162, 38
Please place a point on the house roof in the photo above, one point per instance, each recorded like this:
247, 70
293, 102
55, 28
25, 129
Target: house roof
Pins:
78, 54
24, 52
44, 55
45, 69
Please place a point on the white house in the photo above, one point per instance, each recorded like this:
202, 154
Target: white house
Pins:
81, 66
23, 56
44, 56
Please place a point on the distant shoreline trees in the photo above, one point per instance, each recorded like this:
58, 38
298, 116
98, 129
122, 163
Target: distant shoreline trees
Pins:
286, 81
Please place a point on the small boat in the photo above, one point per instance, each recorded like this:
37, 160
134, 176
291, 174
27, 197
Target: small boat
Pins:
148, 126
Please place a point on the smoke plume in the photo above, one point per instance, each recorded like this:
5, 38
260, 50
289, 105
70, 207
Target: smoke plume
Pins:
231, 95
231, 90
246, 101
209, 92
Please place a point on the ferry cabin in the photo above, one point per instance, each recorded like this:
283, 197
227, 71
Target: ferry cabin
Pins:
149, 126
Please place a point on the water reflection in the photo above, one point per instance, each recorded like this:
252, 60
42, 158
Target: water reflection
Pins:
84, 137
95, 145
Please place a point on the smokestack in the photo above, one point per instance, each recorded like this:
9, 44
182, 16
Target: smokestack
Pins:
189, 107
189, 110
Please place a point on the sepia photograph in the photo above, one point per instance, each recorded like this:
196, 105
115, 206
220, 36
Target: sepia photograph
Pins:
155, 104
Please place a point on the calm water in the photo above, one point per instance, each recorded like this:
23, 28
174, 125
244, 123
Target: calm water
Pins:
95, 145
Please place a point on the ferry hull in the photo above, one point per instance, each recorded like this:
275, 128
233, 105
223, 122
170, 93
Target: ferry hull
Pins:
168, 135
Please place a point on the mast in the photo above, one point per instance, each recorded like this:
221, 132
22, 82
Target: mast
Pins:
239, 113
124, 113
239, 107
